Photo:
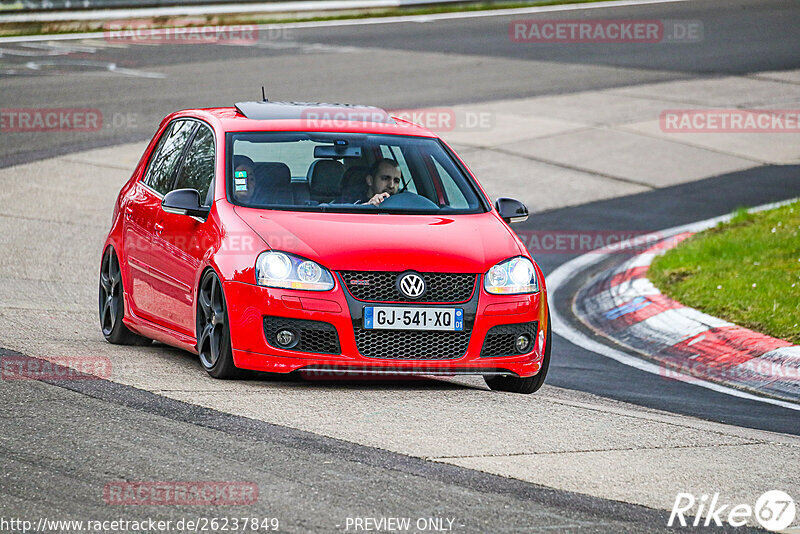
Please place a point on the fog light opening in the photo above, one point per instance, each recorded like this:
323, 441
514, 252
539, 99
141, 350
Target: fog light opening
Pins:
523, 343
286, 338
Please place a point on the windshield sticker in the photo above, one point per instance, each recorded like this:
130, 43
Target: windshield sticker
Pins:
240, 180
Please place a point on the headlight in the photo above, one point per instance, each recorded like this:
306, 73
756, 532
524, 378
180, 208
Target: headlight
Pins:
279, 269
510, 277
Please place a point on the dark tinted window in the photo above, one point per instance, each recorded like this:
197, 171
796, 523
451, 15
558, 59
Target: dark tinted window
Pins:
198, 168
166, 155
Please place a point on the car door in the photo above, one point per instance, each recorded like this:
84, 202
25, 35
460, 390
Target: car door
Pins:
180, 241
142, 209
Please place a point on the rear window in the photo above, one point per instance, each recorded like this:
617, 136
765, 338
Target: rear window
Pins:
347, 172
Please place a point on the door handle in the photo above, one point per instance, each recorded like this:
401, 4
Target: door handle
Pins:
158, 228
128, 212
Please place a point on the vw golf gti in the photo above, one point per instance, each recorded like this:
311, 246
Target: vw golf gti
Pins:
283, 237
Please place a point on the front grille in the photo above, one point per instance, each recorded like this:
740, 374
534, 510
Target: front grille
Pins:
411, 344
380, 286
501, 340
313, 336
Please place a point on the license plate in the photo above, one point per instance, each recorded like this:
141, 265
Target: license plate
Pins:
405, 318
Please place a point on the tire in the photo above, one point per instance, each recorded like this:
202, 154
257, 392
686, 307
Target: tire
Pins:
213, 331
112, 304
528, 384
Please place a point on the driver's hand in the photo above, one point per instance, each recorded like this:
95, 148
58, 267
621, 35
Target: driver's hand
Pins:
377, 199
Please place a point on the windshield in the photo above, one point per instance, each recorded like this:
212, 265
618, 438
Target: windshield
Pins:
347, 172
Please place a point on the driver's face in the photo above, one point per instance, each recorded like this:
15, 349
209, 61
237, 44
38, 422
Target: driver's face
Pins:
386, 181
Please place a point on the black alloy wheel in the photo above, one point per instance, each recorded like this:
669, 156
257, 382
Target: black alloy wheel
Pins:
213, 332
112, 303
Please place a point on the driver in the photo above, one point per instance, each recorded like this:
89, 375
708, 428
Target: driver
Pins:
383, 180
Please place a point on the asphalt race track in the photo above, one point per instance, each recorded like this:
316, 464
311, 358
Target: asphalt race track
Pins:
62, 440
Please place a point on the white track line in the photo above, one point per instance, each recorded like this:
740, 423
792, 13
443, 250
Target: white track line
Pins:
567, 271
378, 20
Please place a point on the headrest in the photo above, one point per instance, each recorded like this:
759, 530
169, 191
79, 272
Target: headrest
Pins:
273, 175
241, 160
355, 177
354, 184
325, 177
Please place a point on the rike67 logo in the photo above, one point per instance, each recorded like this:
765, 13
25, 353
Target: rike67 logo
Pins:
774, 510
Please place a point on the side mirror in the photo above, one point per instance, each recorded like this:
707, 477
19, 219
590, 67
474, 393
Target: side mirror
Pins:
184, 202
511, 210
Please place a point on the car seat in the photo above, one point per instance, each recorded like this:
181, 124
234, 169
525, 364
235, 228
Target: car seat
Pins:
354, 185
325, 179
273, 183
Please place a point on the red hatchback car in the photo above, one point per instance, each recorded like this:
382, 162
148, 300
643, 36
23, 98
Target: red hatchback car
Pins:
285, 237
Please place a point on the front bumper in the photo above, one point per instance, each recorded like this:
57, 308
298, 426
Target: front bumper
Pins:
249, 305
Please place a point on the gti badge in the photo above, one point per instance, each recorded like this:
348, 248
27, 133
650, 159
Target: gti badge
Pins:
411, 285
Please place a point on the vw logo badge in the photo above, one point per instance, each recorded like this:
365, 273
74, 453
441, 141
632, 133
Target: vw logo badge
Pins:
411, 285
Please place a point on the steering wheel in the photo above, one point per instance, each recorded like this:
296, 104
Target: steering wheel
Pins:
408, 200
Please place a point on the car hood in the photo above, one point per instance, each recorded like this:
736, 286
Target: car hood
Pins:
387, 242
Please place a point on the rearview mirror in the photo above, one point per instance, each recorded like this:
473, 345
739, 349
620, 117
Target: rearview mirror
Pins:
511, 210
184, 202
337, 151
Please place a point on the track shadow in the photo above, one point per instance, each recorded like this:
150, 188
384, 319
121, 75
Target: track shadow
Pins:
319, 380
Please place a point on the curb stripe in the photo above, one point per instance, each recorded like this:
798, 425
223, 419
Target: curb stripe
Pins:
624, 276
627, 307
656, 304
669, 328
679, 328
668, 243
728, 346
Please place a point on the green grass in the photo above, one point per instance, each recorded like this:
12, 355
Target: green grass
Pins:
54, 28
6, 7
746, 271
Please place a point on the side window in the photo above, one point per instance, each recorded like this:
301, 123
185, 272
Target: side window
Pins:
455, 197
198, 167
166, 155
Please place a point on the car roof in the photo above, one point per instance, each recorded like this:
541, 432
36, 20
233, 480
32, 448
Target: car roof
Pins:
305, 117
266, 110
